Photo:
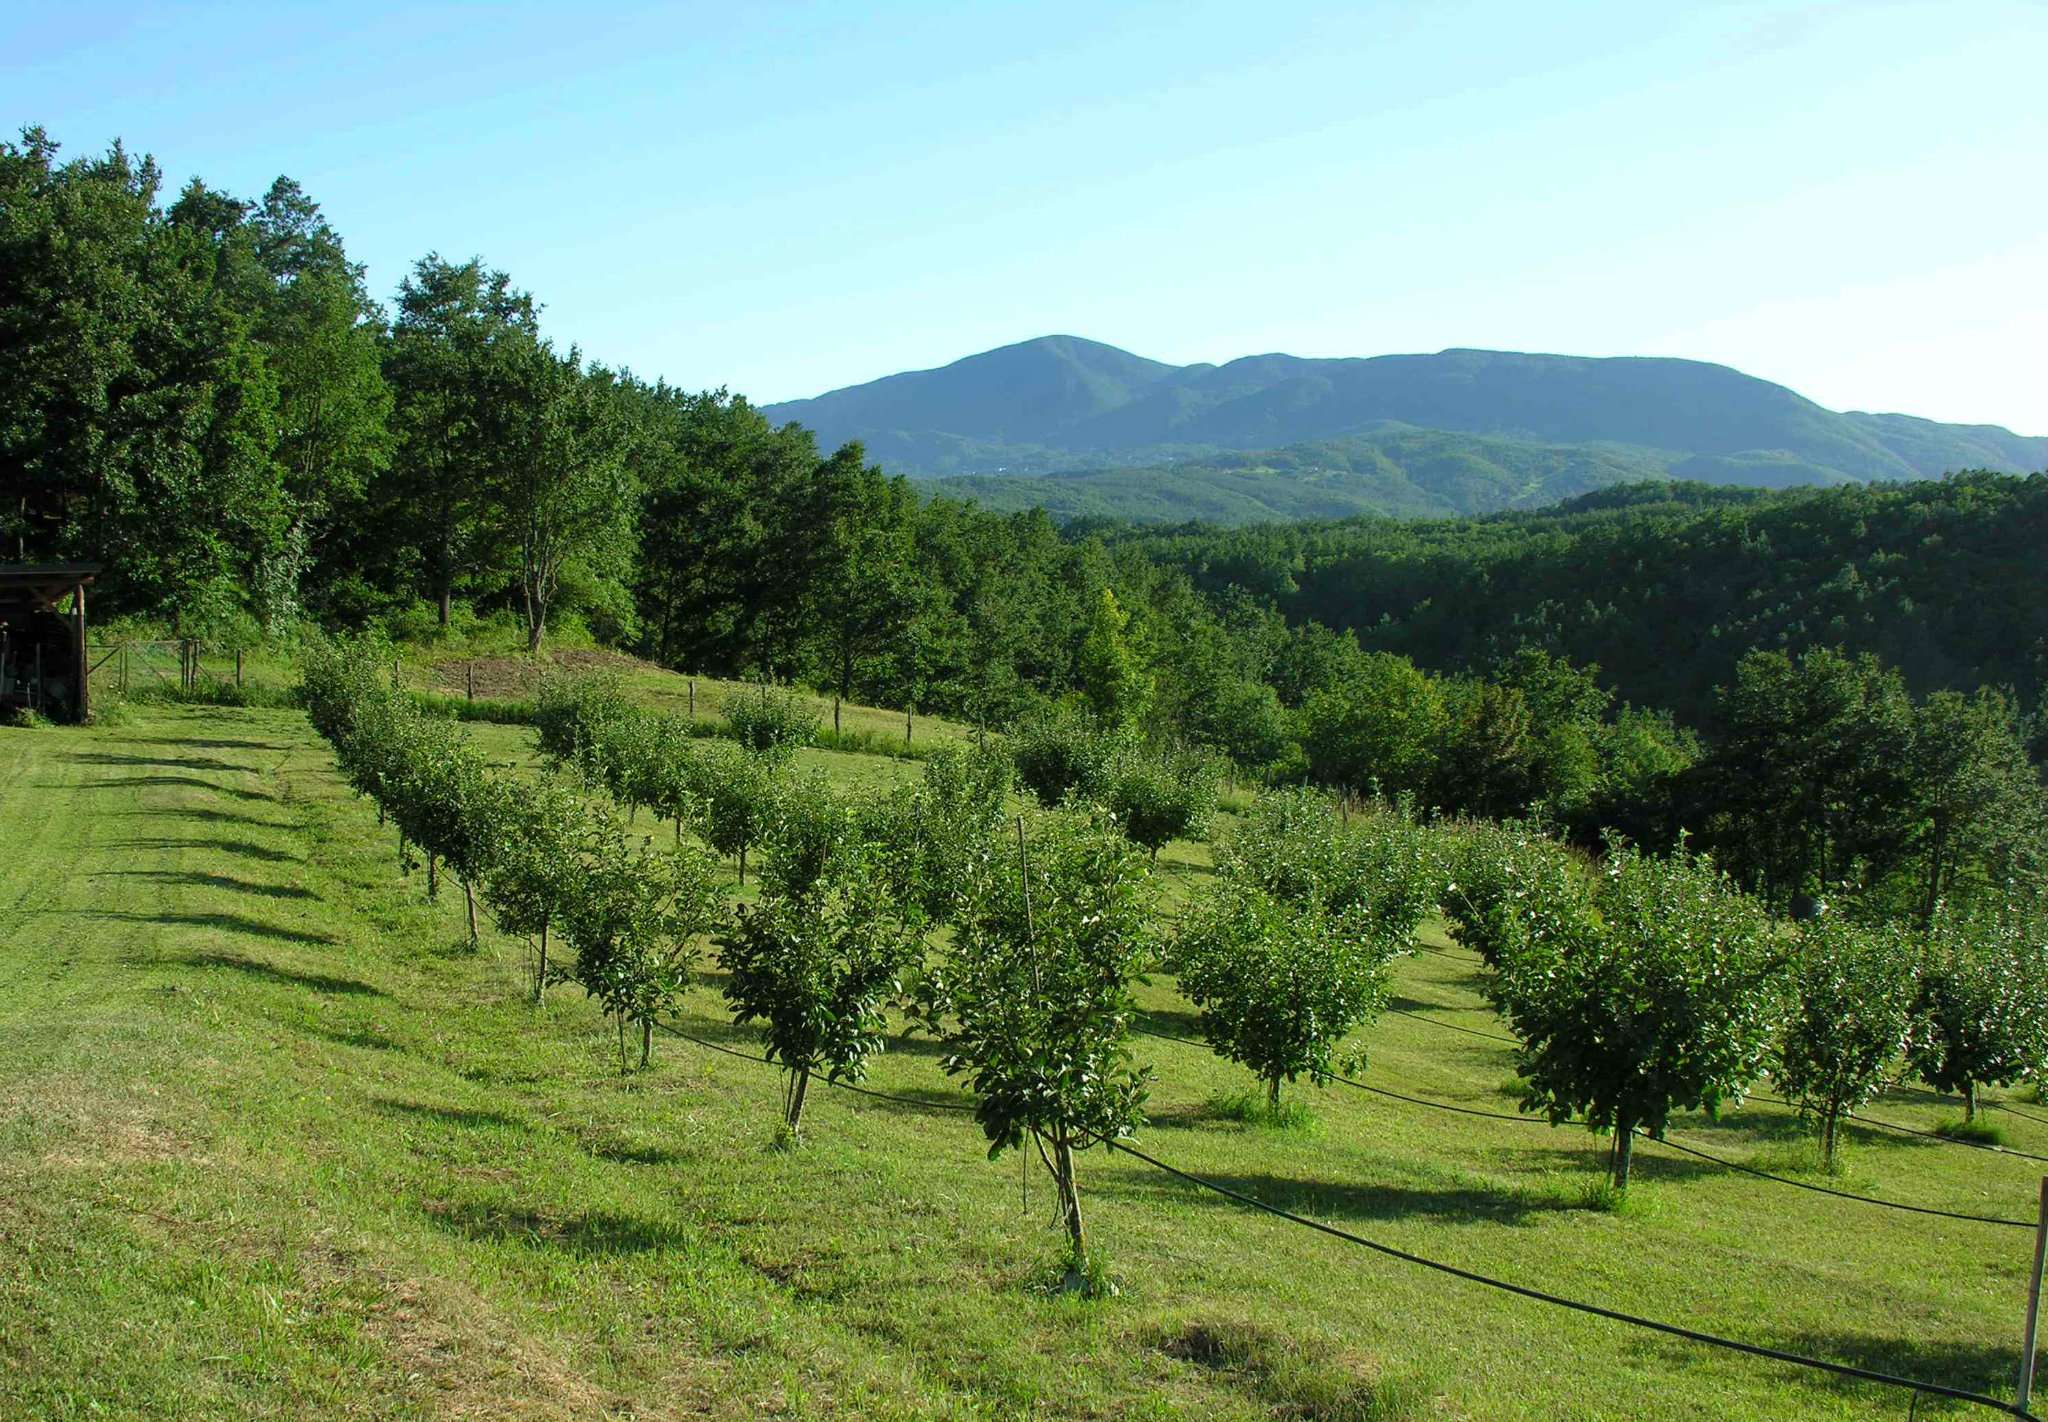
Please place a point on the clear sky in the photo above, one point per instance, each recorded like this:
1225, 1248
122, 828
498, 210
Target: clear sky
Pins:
1850, 198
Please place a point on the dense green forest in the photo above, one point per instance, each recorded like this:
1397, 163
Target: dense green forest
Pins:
201, 393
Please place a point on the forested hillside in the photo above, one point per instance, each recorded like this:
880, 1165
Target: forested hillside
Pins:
1665, 586
1060, 402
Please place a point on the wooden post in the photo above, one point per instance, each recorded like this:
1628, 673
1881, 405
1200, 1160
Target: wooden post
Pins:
835, 713
124, 668
693, 698
2026, 1389
238, 668
909, 708
470, 677
84, 664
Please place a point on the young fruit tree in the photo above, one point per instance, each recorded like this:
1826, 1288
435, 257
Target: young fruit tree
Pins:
1506, 886
1155, 799
927, 835
734, 797
1983, 1005
1032, 997
1668, 1001
774, 722
1280, 984
535, 875
635, 919
1066, 754
1382, 864
1851, 1017
816, 962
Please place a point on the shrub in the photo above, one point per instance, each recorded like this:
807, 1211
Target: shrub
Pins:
1033, 998
1157, 799
1666, 1001
1851, 1018
733, 794
1507, 886
1063, 754
1983, 1005
635, 916
772, 721
1279, 984
817, 960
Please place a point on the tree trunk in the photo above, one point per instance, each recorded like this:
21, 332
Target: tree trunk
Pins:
1624, 1152
540, 975
401, 852
835, 714
743, 866
622, 1041
1969, 1101
797, 1091
1070, 1201
1273, 1092
433, 877
469, 903
1827, 1138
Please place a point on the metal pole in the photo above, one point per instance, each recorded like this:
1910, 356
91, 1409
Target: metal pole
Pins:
2026, 1390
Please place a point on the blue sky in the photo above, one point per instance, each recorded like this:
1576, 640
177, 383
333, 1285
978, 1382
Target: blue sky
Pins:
1851, 198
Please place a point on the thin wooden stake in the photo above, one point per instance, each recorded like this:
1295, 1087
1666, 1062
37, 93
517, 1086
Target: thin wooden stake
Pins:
2026, 1389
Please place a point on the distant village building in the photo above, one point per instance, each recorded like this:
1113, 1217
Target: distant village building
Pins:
43, 664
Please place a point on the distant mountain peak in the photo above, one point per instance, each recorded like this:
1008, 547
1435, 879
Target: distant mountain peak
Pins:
1065, 402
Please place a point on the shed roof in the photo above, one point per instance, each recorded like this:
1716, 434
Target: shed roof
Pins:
42, 584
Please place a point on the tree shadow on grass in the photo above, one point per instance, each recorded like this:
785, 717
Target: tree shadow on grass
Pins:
358, 1037
1401, 1003
318, 982
223, 922
241, 847
206, 816
164, 762
592, 1233
1987, 1368
192, 878
1171, 1022
189, 782
1324, 1200
466, 1117
218, 743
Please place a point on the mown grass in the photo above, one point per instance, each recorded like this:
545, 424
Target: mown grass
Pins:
275, 1143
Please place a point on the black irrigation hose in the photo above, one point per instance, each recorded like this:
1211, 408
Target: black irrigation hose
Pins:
1674, 1330
842, 1085
1674, 1145
1439, 1022
1840, 1194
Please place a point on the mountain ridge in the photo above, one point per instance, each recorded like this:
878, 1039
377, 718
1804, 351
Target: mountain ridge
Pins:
1066, 404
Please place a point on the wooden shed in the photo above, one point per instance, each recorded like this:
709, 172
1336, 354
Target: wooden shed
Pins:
43, 664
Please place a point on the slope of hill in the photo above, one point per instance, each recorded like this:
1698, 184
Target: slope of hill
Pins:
1394, 469
1060, 404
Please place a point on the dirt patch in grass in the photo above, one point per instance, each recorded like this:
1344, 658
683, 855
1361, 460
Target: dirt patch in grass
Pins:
1297, 1378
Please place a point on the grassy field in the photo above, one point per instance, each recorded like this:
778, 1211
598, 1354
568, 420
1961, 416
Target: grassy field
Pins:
276, 1144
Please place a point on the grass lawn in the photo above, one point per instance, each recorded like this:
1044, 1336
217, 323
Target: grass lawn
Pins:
276, 1144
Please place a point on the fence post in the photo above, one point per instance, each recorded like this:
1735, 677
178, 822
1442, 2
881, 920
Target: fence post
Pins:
693, 698
2026, 1389
909, 709
471, 678
238, 668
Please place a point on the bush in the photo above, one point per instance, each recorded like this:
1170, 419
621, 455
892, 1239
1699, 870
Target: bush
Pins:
1064, 754
1158, 799
1666, 1000
1982, 1012
772, 721
1279, 984
1851, 1019
1507, 886
1033, 998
